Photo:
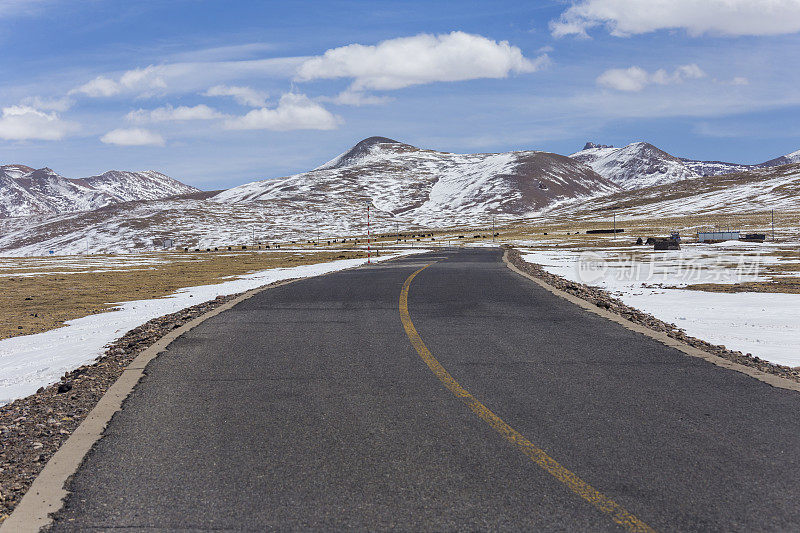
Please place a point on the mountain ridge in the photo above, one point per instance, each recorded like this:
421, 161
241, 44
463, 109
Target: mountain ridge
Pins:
408, 188
401, 178
25, 191
641, 164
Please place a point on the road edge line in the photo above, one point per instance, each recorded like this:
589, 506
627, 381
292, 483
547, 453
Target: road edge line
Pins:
770, 379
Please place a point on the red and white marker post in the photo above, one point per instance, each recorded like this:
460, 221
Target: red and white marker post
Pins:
369, 261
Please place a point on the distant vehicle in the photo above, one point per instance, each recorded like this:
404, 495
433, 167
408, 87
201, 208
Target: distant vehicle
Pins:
754, 237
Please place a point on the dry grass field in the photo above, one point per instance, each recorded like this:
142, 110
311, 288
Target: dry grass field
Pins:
41, 293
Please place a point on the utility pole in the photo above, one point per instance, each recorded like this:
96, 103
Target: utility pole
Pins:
368, 237
615, 226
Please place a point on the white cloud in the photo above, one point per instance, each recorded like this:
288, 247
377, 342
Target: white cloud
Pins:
391, 64
406, 61
740, 80
635, 78
48, 104
629, 79
244, 95
697, 17
223, 53
294, 112
132, 137
100, 86
186, 77
143, 80
355, 98
21, 122
169, 114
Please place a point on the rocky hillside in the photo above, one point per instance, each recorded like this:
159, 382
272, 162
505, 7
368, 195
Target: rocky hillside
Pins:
25, 191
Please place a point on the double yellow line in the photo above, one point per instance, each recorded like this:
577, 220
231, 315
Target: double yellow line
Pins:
537, 455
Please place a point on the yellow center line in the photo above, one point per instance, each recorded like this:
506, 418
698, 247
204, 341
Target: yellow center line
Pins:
550, 465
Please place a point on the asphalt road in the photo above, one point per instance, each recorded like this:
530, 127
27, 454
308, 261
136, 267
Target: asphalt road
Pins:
307, 407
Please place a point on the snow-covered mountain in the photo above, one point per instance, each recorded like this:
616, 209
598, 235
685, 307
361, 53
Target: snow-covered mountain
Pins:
430, 187
145, 185
407, 187
794, 157
759, 189
16, 201
62, 195
641, 164
14, 171
25, 191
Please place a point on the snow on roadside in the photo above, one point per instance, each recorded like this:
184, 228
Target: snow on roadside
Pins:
763, 324
32, 361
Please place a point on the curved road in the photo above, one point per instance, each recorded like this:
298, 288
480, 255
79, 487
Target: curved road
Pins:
492, 404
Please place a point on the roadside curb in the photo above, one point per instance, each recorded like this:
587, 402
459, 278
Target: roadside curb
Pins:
770, 379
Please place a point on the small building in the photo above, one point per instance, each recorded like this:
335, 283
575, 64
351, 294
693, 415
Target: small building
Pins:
717, 236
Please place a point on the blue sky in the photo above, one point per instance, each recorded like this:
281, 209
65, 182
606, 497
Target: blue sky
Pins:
218, 93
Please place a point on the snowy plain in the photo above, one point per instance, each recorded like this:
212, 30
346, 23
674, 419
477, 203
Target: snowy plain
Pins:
32, 361
766, 325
